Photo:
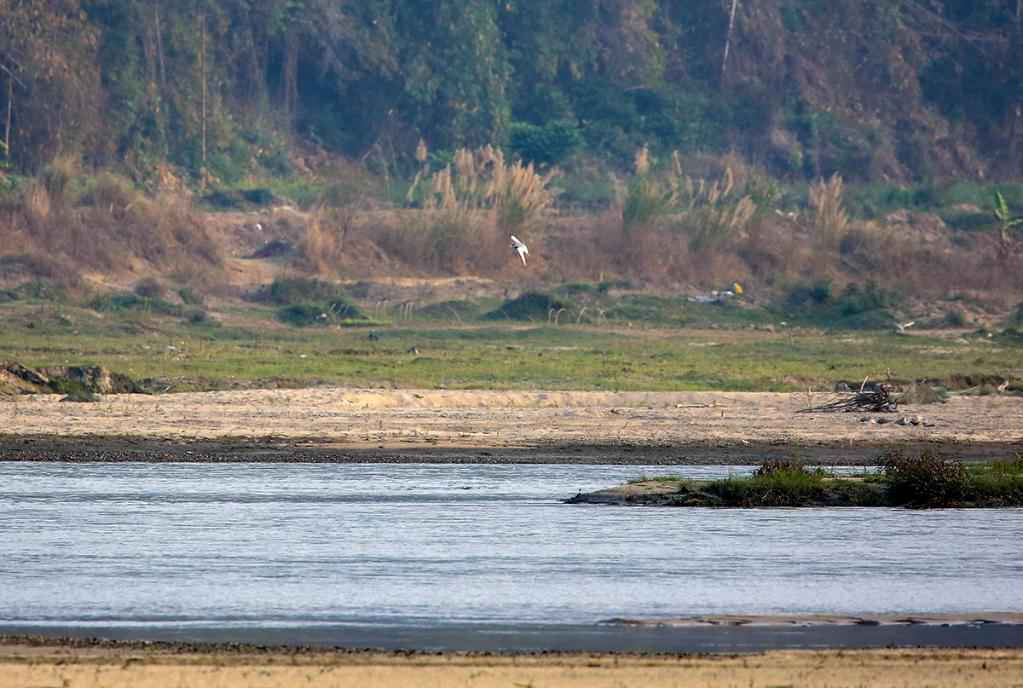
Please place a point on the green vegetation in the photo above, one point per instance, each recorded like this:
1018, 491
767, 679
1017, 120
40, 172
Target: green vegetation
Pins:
253, 348
219, 91
924, 481
531, 306
1007, 224
866, 307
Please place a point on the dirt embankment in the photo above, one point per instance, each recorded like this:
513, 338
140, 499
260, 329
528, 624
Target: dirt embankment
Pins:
363, 424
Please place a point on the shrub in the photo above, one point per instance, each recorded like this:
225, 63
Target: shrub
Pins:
775, 483
830, 218
109, 191
190, 297
813, 294
58, 174
927, 480
322, 244
471, 205
858, 299
332, 313
1016, 318
648, 198
775, 466
922, 393
955, 317
529, 306
543, 145
149, 288
112, 303
284, 291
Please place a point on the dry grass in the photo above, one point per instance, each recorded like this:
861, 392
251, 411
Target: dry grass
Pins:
322, 245
469, 208
830, 220
104, 223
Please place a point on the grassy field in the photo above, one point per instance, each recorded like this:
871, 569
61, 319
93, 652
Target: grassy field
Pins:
245, 346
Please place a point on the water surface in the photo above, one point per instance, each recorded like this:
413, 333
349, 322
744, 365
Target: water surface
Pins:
246, 545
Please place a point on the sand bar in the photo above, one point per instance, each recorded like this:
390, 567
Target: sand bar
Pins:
361, 424
117, 666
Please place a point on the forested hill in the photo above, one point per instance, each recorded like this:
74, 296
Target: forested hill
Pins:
891, 90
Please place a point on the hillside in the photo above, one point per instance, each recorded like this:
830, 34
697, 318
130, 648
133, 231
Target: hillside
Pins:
822, 154
882, 91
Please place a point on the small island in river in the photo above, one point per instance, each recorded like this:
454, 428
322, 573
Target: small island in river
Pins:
925, 481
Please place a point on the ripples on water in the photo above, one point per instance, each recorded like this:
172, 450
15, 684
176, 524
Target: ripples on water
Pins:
247, 544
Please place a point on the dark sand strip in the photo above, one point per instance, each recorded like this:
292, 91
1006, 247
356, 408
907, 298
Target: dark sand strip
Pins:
530, 638
93, 448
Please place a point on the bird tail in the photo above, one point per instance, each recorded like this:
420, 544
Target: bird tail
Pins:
523, 257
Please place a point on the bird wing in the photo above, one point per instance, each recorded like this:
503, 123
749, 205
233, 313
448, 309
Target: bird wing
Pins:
516, 244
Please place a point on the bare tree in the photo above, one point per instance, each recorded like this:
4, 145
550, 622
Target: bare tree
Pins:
728, 37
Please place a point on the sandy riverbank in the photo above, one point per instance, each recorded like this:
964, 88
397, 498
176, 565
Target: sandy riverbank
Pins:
113, 666
355, 424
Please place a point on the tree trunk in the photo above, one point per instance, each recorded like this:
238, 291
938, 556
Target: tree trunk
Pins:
159, 46
202, 76
7, 122
289, 76
728, 38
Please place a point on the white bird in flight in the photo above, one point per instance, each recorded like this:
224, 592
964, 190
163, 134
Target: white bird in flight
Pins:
900, 328
519, 248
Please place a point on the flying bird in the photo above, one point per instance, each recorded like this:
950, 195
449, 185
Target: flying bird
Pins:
900, 328
519, 248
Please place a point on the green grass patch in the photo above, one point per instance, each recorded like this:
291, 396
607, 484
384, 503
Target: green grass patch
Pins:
116, 302
926, 480
251, 348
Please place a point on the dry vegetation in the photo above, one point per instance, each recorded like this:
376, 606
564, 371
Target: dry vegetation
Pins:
467, 209
64, 222
670, 227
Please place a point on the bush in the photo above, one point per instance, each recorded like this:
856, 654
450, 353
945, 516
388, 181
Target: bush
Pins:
955, 317
802, 294
200, 316
775, 483
149, 288
112, 303
870, 297
335, 312
529, 306
284, 291
1016, 318
776, 466
925, 481
190, 297
922, 393
543, 145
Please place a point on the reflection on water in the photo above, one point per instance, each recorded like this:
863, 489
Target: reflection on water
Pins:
255, 543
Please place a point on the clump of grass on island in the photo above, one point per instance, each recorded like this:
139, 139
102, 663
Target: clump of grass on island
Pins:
924, 481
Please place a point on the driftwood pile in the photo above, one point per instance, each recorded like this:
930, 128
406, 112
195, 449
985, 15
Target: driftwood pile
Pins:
877, 399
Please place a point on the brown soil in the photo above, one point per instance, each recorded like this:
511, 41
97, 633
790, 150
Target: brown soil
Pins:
360, 424
86, 667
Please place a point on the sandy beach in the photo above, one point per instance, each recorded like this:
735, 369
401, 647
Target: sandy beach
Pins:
116, 666
325, 424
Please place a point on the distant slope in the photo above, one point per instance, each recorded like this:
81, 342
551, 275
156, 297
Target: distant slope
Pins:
894, 90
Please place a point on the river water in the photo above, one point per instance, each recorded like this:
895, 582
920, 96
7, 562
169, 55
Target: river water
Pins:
245, 545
